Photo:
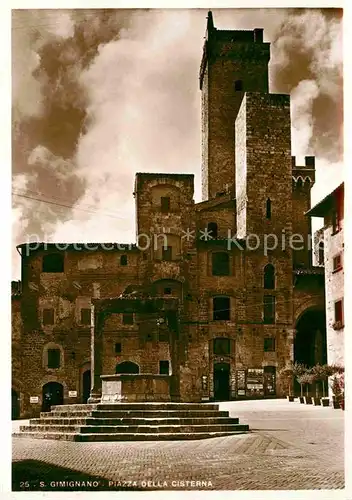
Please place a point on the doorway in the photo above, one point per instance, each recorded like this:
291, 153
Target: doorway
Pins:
15, 407
52, 394
221, 381
86, 384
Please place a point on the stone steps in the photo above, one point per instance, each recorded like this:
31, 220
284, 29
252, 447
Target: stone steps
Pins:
132, 421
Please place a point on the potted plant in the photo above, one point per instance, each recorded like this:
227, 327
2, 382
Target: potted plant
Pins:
286, 375
306, 379
336, 391
321, 374
342, 389
297, 370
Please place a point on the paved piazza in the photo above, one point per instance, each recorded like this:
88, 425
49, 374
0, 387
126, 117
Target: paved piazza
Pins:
290, 447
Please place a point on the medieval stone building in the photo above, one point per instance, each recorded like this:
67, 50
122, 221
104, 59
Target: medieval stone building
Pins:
238, 264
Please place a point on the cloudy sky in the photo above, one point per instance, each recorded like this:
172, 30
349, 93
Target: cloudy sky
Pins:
99, 95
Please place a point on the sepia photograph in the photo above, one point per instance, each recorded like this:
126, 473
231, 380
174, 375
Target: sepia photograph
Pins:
177, 293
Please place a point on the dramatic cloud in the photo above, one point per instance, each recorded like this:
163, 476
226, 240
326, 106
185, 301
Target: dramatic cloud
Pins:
100, 95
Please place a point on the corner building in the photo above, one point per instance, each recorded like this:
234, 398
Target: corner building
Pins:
245, 306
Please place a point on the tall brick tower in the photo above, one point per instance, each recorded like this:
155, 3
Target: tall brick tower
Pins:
233, 62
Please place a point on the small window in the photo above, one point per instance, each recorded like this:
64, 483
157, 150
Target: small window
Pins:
269, 277
221, 346
123, 260
337, 263
167, 291
212, 230
163, 367
165, 204
269, 309
238, 85
166, 253
220, 264
118, 348
53, 358
338, 311
53, 263
221, 308
321, 253
127, 318
269, 344
85, 316
268, 208
48, 316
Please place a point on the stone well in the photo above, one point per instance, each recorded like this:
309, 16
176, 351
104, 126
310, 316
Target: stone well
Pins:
141, 387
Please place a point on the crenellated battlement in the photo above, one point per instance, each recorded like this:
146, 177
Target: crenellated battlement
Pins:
303, 175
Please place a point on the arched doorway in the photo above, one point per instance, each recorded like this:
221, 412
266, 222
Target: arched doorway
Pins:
221, 381
127, 367
15, 406
310, 340
52, 394
86, 384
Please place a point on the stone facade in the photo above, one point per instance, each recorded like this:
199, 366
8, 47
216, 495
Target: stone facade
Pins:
236, 303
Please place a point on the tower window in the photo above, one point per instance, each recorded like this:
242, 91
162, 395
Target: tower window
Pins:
165, 204
220, 264
321, 253
163, 367
269, 309
238, 85
85, 316
336, 263
213, 229
269, 344
123, 260
118, 348
269, 277
338, 311
127, 318
53, 358
221, 308
48, 316
53, 263
167, 253
268, 208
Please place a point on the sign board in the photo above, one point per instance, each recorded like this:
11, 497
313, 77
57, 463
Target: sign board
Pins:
241, 382
255, 381
72, 394
34, 399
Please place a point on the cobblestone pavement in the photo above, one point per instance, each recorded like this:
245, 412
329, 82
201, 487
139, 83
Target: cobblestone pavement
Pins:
290, 447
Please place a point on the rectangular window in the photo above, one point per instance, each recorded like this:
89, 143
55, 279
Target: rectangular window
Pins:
85, 316
48, 316
165, 204
338, 311
118, 348
53, 358
163, 367
220, 264
166, 253
269, 344
127, 318
269, 309
221, 308
222, 346
337, 263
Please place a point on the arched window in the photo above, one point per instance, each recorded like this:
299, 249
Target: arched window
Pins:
127, 367
123, 260
53, 263
220, 264
268, 208
238, 85
269, 277
321, 253
213, 229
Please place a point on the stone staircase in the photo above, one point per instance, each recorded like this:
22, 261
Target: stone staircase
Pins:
132, 422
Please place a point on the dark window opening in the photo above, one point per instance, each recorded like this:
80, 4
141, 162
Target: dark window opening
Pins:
268, 208
269, 344
53, 358
238, 85
269, 277
165, 204
337, 263
220, 264
163, 367
321, 253
269, 309
85, 316
123, 260
221, 346
221, 308
338, 311
127, 318
212, 230
118, 348
48, 316
167, 291
167, 253
127, 367
53, 263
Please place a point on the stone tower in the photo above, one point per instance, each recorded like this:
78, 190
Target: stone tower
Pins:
233, 62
